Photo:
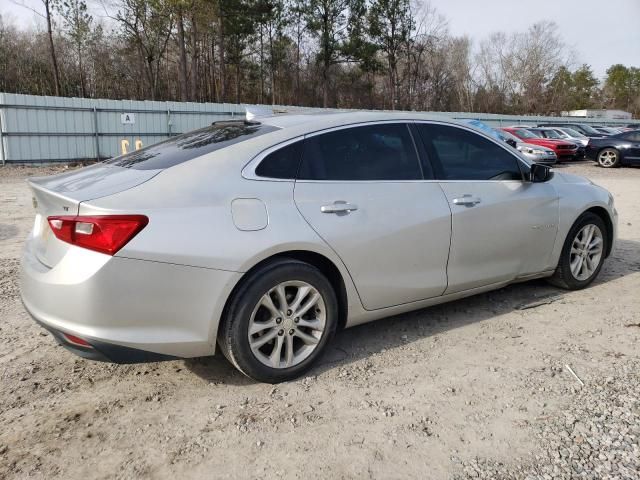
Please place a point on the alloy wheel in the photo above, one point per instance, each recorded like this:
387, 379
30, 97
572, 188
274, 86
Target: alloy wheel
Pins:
586, 252
608, 158
287, 324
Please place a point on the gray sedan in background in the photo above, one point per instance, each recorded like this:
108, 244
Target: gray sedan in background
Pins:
534, 153
263, 238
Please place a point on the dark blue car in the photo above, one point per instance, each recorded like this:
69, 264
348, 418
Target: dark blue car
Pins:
616, 150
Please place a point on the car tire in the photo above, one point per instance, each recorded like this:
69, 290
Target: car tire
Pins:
290, 342
608, 158
572, 258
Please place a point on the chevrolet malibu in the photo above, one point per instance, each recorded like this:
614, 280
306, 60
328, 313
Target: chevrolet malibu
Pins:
263, 238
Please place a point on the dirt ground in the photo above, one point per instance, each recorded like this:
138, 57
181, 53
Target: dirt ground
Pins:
474, 388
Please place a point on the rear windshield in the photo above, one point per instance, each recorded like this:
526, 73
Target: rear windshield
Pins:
191, 145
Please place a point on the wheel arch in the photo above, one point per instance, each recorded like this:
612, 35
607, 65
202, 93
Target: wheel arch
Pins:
606, 218
608, 147
321, 262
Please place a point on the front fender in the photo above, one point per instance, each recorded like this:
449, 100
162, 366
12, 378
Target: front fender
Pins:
577, 198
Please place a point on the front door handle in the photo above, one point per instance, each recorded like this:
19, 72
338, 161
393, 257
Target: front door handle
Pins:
466, 200
339, 206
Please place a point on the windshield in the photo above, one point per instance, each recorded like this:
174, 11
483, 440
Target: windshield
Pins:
191, 145
550, 134
522, 133
590, 130
573, 133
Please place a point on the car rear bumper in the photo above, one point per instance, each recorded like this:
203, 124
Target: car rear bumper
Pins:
101, 351
126, 310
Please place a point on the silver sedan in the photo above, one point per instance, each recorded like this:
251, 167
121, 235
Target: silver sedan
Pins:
263, 238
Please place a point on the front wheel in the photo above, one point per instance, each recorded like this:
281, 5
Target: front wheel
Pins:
279, 321
609, 158
583, 253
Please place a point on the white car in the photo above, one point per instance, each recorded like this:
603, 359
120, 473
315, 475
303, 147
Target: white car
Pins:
572, 135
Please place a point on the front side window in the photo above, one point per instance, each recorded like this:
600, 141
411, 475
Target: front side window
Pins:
371, 152
458, 154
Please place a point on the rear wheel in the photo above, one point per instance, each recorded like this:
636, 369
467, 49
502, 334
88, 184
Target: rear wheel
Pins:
280, 321
609, 158
583, 253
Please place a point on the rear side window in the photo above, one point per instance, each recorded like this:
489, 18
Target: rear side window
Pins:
458, 154
371, 152
191, 145
283, 163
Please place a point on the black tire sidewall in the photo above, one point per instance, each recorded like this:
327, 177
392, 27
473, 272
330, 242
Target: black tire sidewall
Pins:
585, 219
236, 323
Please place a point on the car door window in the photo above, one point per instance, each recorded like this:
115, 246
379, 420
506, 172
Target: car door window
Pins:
458, 154
283, 163
371, 152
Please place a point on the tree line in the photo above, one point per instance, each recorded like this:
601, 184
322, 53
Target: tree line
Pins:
388, 54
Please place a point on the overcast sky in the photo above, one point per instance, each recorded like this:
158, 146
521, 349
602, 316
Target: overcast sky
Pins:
601, 32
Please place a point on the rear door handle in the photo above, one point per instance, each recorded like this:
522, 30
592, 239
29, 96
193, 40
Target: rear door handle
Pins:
339, 207
466, 200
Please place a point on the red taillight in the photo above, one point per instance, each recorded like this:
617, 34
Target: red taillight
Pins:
104, 233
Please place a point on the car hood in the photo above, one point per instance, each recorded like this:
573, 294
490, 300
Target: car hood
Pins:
546, 142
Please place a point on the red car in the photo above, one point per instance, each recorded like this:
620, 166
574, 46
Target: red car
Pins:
564, 150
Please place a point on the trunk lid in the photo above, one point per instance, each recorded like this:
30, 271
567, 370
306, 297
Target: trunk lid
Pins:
62, 195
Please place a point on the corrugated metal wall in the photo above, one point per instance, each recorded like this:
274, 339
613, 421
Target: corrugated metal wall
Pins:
36, 129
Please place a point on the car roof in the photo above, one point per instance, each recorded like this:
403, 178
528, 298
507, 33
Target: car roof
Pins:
296, 125
291, 126
310, 122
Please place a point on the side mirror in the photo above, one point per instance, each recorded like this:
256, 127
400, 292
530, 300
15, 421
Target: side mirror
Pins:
540, 173
511, 142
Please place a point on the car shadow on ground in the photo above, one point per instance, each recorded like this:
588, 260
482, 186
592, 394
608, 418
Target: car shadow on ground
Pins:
571, 163
366, 340
585, 162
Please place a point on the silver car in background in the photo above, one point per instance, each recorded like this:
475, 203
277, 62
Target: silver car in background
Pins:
264, 238
534, 153
571, 135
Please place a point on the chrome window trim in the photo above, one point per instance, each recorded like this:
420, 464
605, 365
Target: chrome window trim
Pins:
249, 170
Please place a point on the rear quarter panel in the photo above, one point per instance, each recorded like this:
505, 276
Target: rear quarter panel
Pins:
191, 223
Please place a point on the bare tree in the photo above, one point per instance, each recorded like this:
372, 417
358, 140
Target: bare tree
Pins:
147, 26
48, 17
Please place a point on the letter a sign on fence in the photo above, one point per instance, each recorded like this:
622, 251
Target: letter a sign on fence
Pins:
128, 118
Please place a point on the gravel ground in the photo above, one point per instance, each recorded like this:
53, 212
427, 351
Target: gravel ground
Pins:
478, 388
